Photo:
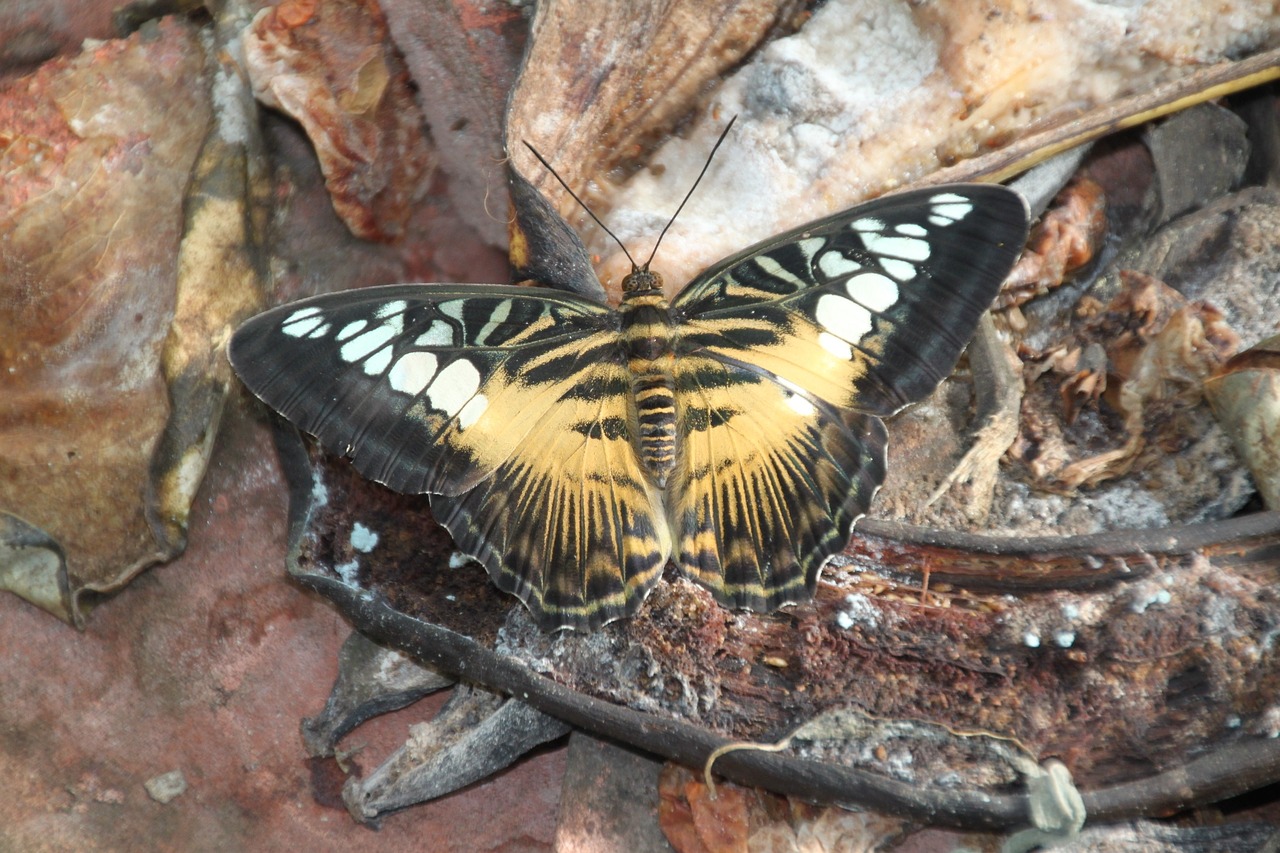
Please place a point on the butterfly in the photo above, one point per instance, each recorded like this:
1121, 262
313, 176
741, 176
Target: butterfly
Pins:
574, 448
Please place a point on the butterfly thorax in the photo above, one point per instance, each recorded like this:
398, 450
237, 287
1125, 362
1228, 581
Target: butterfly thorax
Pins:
646, 342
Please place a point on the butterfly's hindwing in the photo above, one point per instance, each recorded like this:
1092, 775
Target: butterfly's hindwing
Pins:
569, 523
768, 485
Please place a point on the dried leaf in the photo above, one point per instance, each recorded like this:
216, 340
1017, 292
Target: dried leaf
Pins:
1067, 237
329, 64
95, 166
463, 55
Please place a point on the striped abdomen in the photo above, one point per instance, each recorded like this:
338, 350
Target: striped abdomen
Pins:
646, 336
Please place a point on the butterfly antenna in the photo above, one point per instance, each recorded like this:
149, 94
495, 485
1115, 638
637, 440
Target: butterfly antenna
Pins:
688, 195
581, 203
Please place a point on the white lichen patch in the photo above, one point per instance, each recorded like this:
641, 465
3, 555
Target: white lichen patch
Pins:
858, 610
363, 539
348, 571
1147, 594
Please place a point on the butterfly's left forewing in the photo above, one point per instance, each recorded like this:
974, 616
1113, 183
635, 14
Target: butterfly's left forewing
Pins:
428, 388
795, 347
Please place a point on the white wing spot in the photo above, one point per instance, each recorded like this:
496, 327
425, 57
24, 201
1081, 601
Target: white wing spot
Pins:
392, 315
948, 198
955, 212
301, 314
901, 270
842, 317
438, 334
413, 372
351, 329
912, 229
472, 411
301, 322
396, 306
940, 221
875, 291
771, 267
496, 319
867, 225
840, 349
376, 363
835, 264
365, 343
453, 309
320, 331
454, 386
810, 246
899, 247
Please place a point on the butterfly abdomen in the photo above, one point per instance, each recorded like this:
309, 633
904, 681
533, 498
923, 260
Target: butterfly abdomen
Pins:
646, 340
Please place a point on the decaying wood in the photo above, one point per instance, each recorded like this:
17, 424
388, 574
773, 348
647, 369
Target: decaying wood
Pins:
1122, 654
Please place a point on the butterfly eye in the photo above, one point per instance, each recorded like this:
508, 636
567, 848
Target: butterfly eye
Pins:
640, 280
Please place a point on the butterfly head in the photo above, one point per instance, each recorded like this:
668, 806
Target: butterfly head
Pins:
641, 280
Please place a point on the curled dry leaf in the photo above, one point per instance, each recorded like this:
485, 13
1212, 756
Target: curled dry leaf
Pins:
330, 65
1158, 350
463, 55
1086, 371
1066, 238
98, 453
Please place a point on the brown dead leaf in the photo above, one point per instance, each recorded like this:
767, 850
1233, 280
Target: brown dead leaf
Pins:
1161, 351
94, 166
330, 65
1067, 237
